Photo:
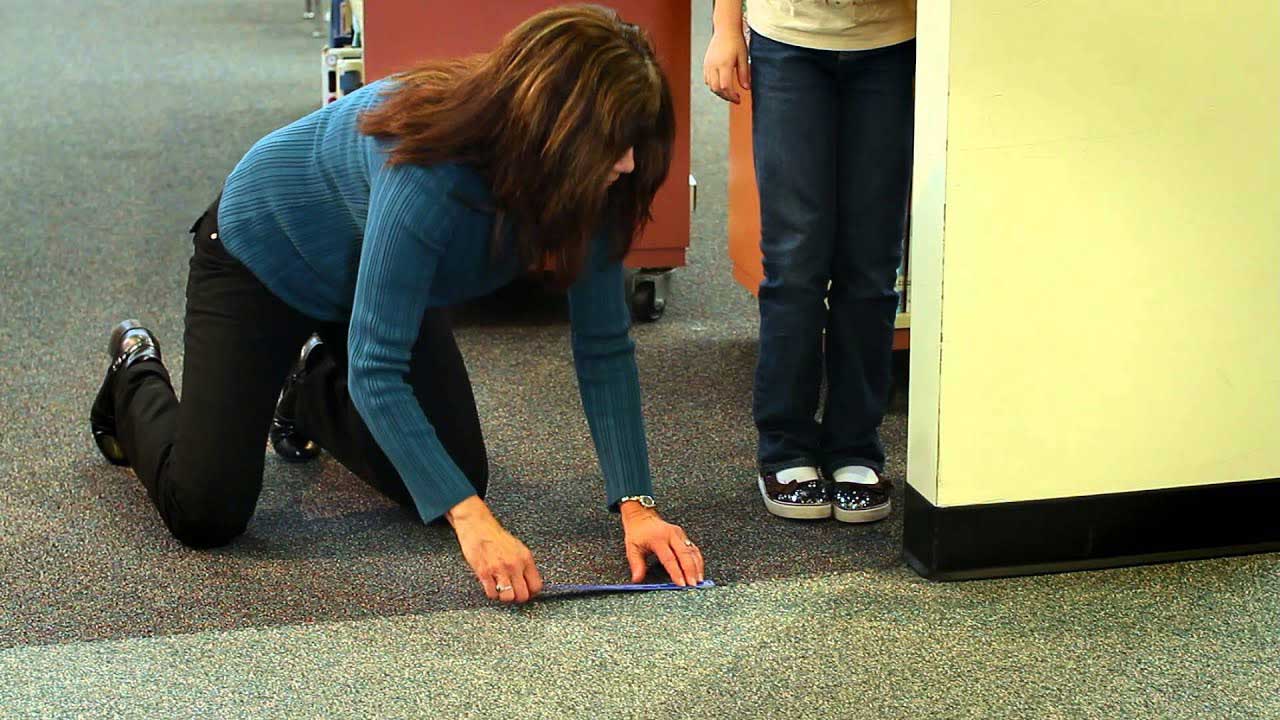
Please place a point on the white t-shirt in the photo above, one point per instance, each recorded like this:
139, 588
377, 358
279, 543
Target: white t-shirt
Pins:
834, 24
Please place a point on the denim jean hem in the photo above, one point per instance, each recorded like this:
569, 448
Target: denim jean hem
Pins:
832, 465
787, 465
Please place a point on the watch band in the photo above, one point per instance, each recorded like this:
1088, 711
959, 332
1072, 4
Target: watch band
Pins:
645, 500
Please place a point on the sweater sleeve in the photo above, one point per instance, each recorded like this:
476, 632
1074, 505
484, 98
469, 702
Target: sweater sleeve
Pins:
604, 357
410, 218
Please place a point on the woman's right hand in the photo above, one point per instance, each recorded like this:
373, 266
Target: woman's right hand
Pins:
502, 564
725, 62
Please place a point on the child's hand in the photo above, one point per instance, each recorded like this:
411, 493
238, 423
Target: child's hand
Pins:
725, 62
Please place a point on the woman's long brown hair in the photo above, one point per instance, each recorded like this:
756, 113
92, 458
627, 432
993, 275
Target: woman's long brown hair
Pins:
544, 117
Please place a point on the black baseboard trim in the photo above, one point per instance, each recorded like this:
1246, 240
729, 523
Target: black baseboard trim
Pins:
1090, 532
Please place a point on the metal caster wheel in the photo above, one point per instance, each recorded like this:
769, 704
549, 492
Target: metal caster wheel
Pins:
644, 303
647, 290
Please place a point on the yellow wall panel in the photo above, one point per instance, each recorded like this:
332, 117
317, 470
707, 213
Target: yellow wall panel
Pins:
1110, 260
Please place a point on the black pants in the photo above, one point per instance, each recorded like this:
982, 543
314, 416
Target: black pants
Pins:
201, 460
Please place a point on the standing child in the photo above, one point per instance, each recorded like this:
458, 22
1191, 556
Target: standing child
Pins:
832, 118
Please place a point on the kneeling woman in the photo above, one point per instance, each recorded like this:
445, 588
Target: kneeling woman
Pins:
359, 223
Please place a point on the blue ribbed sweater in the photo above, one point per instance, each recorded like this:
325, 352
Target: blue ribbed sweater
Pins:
314, 211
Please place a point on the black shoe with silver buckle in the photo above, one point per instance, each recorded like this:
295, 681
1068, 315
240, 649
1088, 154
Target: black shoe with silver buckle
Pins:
288, 443
860, 495
129, 343
797, 493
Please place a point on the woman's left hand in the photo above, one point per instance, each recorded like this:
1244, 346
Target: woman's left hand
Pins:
645, 532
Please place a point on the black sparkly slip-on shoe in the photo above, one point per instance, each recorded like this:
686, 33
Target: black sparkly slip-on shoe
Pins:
796, 493
855, 500
129, 343
288, 443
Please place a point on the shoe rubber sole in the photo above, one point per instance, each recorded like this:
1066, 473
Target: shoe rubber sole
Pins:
283, 436
793, 512
102, 423
102, 420
863, 516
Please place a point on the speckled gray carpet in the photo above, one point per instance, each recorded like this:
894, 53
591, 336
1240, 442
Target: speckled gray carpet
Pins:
120, 124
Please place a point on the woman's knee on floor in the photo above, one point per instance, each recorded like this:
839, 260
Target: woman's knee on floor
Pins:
203, 531
207, 520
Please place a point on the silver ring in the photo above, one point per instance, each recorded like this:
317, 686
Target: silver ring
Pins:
502, 588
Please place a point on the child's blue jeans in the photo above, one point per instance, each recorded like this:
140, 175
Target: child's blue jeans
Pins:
832, 140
